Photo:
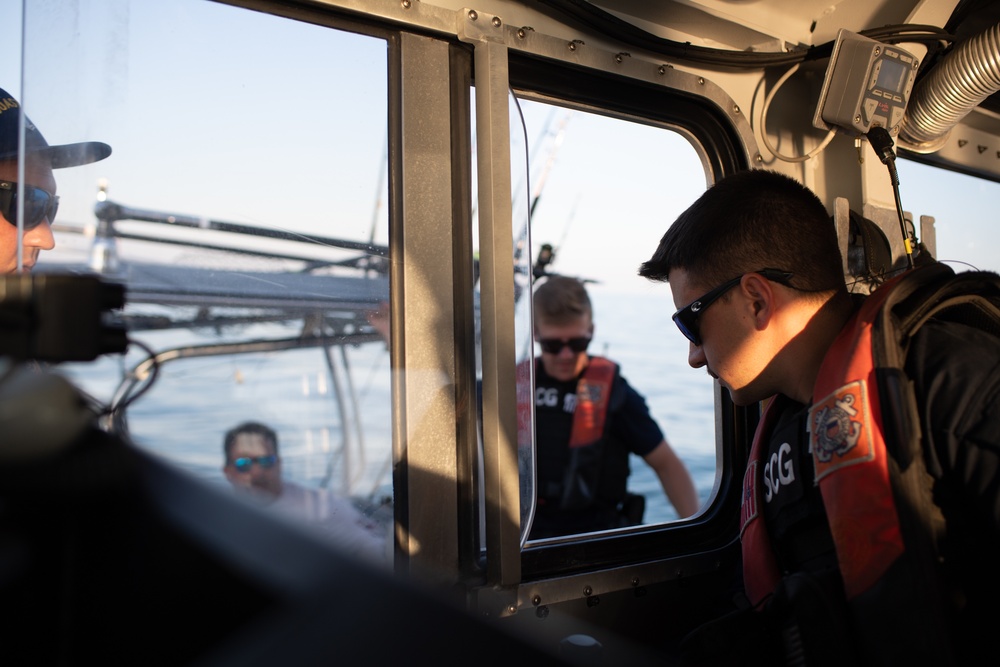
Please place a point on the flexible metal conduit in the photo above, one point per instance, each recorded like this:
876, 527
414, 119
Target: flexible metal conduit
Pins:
963, 79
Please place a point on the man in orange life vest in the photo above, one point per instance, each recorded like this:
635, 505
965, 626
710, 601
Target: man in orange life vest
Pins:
830, 556
587, 421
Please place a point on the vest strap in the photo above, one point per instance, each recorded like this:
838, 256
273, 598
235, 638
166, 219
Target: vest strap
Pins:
593, 395
760, 569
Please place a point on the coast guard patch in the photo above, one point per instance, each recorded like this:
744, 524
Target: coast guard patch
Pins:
840, 429
589, 391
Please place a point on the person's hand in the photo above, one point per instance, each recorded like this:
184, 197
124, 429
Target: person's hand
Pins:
379, 319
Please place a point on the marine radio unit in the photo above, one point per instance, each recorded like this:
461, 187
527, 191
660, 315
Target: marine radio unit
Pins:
867, 85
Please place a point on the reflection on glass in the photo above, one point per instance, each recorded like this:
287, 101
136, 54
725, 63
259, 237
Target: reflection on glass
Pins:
244, 208
605, 191
521, 202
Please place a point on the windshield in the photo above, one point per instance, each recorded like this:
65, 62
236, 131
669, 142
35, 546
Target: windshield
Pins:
251, 232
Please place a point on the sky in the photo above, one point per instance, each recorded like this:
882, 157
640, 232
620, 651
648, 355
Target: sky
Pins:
177, 88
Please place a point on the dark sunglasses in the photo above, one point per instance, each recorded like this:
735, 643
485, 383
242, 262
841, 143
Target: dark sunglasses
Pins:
555, 345
39, 205
686, 318
244, 463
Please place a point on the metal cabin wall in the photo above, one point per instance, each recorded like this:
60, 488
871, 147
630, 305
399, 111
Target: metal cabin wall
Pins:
429, 304
425, 363
496, 249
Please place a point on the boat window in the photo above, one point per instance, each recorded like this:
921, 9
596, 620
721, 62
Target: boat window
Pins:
244, 206
603, 191
963, 234
522, 199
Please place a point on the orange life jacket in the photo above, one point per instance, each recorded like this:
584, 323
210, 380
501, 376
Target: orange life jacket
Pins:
850, 461
593, 396
868, 457
587, 466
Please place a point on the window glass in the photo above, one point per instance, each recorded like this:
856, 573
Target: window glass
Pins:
244, 207
602, 192
521, 244
964, 221
521, 203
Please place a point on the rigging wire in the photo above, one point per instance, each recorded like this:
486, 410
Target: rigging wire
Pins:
569, 222
356, 413
345, 442
536, 194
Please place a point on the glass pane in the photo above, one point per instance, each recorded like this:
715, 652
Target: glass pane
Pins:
521, 200
520, 211
964, 221
604, 192
244, 207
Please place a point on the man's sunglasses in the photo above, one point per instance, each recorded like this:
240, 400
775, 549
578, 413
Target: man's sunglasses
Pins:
686, 318
244, 463
39, 205
555, 345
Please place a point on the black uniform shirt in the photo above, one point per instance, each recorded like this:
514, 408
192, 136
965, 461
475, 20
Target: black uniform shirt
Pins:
792, 504
630, 423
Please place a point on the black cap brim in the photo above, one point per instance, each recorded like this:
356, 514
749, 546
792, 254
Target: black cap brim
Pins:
68, 155
35, 146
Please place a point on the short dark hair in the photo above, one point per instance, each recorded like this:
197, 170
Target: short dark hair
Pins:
561, 299
752, 220
253, 428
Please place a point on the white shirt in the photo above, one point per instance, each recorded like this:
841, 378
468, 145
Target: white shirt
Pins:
336, 519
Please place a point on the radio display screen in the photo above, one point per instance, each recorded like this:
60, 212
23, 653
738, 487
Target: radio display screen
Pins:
892, 76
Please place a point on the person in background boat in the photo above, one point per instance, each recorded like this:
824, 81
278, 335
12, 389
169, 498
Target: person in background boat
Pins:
756, 274
39, 189
253, 465
588, 420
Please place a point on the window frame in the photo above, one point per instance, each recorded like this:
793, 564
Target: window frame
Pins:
719, 142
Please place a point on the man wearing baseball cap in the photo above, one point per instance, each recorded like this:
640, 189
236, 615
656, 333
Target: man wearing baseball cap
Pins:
35, 202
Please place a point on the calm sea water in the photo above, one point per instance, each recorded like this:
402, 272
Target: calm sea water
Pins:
345, 445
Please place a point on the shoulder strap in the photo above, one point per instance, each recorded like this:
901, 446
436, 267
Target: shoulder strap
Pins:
931, 292
936, 292
593, 398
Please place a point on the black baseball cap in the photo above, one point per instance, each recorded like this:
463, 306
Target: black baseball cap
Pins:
66, 155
